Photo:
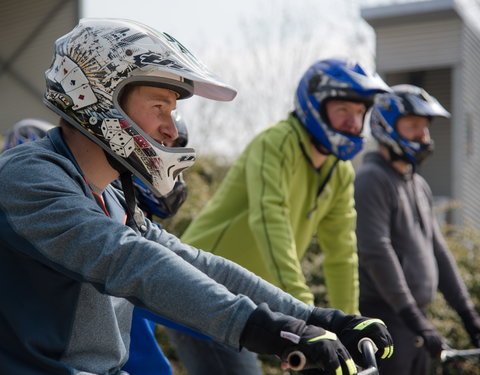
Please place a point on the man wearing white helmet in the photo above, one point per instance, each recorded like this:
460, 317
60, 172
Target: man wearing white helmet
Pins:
76, 255
293, 182
403, 256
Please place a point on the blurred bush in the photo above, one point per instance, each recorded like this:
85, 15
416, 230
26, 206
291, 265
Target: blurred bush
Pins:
464, 242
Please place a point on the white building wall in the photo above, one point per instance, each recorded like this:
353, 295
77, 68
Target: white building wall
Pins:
419, 45
468, 128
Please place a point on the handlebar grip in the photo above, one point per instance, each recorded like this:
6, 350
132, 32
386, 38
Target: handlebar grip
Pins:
368, 348
296, 360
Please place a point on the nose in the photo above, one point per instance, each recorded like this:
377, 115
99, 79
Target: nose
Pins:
425, 135
353, 124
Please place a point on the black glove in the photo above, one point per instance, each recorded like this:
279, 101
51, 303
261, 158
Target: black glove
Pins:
352, 328
268, 332
418, 323
471, 322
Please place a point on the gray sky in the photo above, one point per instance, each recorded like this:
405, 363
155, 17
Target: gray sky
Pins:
259, 46
210, 24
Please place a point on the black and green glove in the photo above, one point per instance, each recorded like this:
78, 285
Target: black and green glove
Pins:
352, 328
268, 332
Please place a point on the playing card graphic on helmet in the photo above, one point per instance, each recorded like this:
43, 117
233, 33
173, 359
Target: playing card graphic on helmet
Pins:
94, 63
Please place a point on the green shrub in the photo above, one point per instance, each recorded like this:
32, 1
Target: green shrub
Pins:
464, 242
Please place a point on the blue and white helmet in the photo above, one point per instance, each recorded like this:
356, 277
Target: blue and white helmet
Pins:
91, 67
406, 100
26, 130
333, 79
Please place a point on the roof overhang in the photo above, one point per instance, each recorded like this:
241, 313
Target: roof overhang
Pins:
410, 12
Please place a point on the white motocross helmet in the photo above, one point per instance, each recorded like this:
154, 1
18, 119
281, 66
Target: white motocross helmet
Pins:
94, 63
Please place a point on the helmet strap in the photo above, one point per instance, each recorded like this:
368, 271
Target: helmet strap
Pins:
396, 157
133, 212
320, 148
134, 216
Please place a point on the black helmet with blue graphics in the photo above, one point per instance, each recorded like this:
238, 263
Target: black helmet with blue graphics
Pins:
334, 79
406, 100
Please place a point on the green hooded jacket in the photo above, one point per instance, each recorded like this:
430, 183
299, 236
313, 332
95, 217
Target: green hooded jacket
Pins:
266, 211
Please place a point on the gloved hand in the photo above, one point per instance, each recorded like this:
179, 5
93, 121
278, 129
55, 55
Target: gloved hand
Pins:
268, 332
471, 322
418, 323
351, 329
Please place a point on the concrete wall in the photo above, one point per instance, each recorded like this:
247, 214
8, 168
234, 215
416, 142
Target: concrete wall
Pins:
28, 30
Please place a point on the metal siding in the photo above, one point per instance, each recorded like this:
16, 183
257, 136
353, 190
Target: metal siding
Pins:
469, 128
418, 45
34, 26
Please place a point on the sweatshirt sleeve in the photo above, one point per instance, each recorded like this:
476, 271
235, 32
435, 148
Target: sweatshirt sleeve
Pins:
235, 278
337, 239
56, 222
268, 175
375, 201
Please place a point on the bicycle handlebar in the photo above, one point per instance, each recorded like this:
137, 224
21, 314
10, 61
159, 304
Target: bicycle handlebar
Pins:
368, 348
297, 360
448, 353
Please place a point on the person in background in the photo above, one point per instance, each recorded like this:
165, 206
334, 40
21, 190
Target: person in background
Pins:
77, 255
403, 255
294, 181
